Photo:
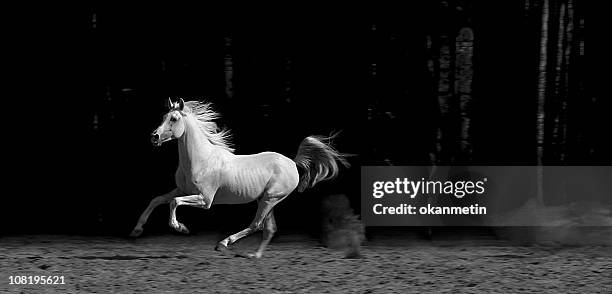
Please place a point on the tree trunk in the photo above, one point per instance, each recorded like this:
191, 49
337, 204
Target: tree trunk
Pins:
229, 68
444, 135
463, 88
542, 76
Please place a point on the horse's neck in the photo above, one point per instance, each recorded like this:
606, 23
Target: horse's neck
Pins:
195, 151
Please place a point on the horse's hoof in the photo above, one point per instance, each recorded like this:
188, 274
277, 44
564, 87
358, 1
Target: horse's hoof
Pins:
183, 229
224, 250
249, 255
136, 233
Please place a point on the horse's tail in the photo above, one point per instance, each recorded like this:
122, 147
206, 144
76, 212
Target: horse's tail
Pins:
318, 161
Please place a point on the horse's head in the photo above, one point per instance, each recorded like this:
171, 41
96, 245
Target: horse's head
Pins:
173, 124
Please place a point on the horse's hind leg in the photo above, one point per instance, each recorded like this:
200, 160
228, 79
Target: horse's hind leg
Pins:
254, 227
163, 199
268, 232
263, 209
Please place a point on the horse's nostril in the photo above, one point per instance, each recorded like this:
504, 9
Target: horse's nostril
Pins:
154, 137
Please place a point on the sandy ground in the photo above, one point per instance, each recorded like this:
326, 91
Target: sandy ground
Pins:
296, 264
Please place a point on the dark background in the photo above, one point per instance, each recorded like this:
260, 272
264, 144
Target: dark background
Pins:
439, 82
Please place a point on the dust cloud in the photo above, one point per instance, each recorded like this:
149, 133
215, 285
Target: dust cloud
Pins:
573, 224
341, 227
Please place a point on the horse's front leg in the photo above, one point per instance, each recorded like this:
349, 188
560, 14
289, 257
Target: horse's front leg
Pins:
203, 200
192, 200
163, 199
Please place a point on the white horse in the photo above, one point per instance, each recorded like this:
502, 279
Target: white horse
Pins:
209, 173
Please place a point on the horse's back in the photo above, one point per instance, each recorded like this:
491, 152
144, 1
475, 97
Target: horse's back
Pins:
247, 177
281, 169
269, 160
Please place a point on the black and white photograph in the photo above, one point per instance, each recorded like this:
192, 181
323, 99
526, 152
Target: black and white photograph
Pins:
443, 146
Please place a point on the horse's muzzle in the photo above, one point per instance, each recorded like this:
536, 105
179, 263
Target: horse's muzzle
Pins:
155, 139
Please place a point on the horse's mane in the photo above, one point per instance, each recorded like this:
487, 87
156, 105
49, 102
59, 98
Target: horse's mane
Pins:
204, 116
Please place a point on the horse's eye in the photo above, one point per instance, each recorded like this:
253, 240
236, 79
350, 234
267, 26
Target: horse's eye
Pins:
173, 119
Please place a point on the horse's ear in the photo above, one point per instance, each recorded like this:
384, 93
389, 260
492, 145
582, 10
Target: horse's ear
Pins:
181, 104
170, 104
